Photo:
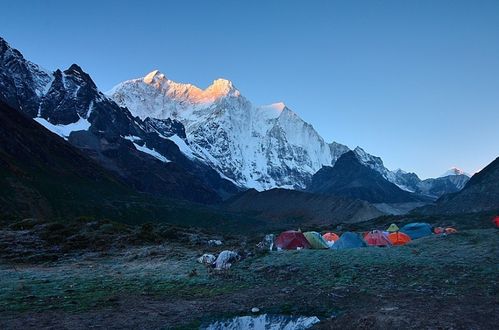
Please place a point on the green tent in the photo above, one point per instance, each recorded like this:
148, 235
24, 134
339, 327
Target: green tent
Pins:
315, 239
393, 228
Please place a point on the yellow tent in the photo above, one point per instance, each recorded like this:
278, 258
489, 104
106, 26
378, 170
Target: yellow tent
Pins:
393, 228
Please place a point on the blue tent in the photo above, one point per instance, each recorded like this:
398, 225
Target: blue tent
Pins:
417, 230
349, 240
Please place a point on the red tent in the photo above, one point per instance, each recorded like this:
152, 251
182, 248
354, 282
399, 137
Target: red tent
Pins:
496, 221
291, 240
438, 230
330, 237
377, 238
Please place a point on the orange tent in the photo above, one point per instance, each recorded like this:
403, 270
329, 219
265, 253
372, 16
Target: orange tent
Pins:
450, 230
399, 238
330, 237
496, 221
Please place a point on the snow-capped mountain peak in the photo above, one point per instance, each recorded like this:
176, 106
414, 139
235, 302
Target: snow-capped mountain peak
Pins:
279, 106
400, 171
455, 171
154, 77
220, 88
258, 147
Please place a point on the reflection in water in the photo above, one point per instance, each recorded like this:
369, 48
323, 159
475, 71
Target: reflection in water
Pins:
264, 322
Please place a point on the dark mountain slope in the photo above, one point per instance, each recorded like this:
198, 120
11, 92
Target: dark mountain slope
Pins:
350, 178
302, 207
43, 176
40, 172
481, 193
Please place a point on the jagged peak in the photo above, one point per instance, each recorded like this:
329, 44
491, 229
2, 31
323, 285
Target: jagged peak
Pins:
222, 82
154, 76
77, 72
7, 49
366, 158
75, 69
455, 171
358, 150
221, 87
278, 107
4, 43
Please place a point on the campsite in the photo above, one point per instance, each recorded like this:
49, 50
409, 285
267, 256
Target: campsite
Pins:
135, 276
249, 165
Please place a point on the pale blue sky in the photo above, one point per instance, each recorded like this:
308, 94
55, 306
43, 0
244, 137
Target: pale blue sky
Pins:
414, 82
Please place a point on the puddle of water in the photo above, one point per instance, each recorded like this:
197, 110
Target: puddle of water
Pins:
264, 322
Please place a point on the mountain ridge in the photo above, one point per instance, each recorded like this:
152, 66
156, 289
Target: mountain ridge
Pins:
224, 143
480, 194
351, 178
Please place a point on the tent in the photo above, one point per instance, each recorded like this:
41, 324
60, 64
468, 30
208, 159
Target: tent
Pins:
292, 240
438, 230
331, 237
450, 230
349, 240
417, 230
377, 238
496, 221
393, 228
399, 238
315, 239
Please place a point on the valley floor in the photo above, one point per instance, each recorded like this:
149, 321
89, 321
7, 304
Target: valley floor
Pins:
446, 282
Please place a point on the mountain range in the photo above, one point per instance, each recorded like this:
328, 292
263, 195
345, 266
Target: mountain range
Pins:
204, 145
260, 147
349, 177
481, 193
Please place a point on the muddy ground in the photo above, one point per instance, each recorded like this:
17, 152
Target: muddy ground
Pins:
114, 277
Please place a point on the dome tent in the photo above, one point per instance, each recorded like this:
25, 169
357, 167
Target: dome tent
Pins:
399, 238
330, 237
438, 230
450, 230
315, 239
377, 238
292, 240
417, 230
349, 240
393, 228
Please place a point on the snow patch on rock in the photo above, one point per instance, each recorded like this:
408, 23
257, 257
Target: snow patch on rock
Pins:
151, 152
64, 130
